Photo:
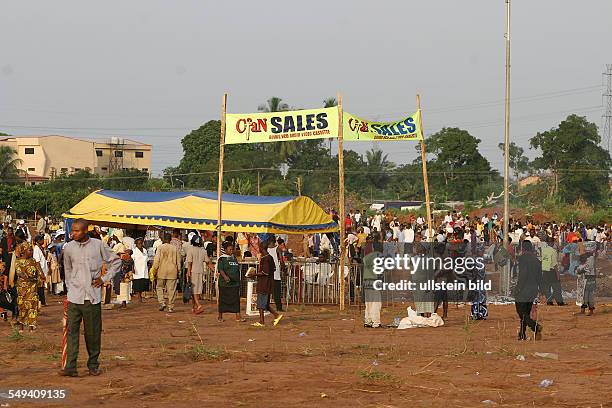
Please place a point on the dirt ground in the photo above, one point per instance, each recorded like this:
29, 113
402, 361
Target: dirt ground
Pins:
318, 357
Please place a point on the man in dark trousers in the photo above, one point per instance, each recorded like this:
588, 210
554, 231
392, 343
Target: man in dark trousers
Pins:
83, 259
527, 289
550, 275
276, 250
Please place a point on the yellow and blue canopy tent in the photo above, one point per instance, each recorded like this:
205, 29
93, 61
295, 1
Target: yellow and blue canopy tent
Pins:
198, 210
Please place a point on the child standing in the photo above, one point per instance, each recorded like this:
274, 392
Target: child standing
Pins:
124, 276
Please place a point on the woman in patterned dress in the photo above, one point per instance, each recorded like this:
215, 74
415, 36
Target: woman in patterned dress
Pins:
28, 273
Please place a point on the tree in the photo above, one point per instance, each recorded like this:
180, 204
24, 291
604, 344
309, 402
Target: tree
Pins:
239, 186
329, 103
518, 161
571, 152
274, 104
201, 156
9, 164
377, 167
284, 149
458, 170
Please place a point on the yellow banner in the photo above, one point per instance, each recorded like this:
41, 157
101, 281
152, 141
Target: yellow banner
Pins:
356, 129
281, 126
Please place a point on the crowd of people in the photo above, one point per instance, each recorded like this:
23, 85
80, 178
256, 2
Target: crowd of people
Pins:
45, 259
536, 253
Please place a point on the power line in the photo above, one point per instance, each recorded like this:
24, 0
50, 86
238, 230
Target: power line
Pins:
528, 98
472, 125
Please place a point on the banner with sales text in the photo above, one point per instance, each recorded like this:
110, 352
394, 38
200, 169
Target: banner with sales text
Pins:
356, 129
281, 126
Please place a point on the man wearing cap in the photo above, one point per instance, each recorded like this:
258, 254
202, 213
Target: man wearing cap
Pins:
83, 259
104, 237
24, 228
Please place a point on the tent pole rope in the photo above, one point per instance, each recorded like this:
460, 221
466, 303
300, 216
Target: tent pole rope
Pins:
341, 200
220, 186
425, 178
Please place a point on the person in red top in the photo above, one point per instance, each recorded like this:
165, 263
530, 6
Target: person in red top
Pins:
348, 223
7, 246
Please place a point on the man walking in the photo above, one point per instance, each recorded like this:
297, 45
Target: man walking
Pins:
527, 290
83, 259
167, 263
279, 265
372, 297
550, 275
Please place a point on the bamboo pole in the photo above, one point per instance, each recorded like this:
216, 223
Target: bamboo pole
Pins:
341, 200
425, 178
220, 185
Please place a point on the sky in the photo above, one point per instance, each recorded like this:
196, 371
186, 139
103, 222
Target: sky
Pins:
153, 70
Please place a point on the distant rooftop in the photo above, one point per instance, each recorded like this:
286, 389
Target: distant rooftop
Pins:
100, 140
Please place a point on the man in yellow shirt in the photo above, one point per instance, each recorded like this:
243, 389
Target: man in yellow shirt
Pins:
550, 275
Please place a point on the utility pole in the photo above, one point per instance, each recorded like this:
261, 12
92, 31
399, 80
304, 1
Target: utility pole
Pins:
505, 281
607, 127
258, 191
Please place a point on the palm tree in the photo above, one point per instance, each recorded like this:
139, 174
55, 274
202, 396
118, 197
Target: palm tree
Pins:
284, 149
274, 104
378, 166
330, 103
9, 164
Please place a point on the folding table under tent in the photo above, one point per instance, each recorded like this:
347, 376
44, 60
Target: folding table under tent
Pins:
198, 210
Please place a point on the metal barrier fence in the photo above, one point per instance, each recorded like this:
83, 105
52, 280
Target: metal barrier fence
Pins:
310, 282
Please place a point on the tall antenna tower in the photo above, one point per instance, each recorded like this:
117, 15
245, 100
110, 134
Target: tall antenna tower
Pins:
607, 128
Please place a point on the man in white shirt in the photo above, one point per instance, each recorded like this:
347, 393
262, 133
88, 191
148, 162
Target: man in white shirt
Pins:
485, 219
394, 225
39, 256
325, 244
448, 218
358, 217
420, 220
273, 250
377, 222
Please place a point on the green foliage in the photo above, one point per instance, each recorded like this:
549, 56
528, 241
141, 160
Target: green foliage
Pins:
458, 171
580, 167
9, 164
59, 195
518, 161
378, 167
238, 186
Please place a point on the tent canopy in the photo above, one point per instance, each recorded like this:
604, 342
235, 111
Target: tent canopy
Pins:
198, 210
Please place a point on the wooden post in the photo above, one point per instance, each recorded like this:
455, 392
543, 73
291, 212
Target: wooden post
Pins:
425, 178
220, 186
341, 200
65, 335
